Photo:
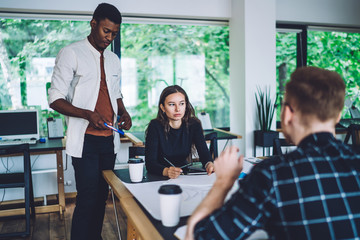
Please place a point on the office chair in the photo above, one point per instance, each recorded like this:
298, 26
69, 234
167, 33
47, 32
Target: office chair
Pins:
213, 148
136, 151
278, 143
19, 180
353, 132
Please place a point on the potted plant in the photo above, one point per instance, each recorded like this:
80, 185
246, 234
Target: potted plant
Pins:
265, 109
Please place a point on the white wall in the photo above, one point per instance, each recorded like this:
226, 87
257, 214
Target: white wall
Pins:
252, 63
185, 8
330, 12
323, 12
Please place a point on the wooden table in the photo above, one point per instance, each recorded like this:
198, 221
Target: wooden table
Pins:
52, 146
138, 224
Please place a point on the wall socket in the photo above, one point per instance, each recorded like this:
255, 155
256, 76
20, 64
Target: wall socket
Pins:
68, 183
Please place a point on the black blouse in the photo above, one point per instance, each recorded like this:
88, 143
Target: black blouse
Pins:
175, 147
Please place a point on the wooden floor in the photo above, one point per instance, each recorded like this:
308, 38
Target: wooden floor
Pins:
49, 225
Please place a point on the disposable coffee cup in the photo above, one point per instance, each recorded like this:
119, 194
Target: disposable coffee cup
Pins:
136, 169
170, 199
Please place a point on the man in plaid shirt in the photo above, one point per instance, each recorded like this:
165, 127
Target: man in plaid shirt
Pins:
310, 193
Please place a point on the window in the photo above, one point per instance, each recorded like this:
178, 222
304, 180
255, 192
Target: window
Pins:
290, 54
28, 49
338, 50
153, 56
285, 62
330, 48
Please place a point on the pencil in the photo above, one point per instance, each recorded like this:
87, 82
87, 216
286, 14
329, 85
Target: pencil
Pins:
171, 164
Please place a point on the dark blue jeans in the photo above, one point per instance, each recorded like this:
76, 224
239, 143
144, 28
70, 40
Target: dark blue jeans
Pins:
92, 189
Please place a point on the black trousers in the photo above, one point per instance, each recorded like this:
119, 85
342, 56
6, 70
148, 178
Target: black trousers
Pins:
92, 189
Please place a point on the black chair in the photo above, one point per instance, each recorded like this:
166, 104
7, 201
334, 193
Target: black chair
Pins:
213, 147
135, 151
19, 180
278, 143
353, 132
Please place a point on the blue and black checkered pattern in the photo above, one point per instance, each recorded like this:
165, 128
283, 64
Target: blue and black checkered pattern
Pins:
310, 193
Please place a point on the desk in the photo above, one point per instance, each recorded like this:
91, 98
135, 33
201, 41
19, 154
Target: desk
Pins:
141, 225
53, 146
138, 138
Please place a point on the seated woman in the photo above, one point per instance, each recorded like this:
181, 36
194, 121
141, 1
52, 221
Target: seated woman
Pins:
171, 136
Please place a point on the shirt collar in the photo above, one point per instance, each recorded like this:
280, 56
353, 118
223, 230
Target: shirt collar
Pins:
94, 50
317, 139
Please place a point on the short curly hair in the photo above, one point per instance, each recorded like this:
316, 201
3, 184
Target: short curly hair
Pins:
105, 10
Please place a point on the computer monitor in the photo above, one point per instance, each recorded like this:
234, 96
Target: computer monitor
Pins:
19, 124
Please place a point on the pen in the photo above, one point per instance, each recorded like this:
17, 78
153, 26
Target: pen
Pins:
171, 164
114, 129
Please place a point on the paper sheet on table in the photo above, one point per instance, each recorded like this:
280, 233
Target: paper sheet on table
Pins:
257, 235
194, 188
194, 180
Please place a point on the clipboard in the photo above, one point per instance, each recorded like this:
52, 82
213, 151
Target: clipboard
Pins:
55, 128
205, 120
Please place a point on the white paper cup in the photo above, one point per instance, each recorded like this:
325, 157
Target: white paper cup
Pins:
136, 169
170, 199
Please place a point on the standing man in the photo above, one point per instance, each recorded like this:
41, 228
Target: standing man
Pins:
85, 87
310, 193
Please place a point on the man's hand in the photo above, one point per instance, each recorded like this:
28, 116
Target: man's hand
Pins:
228, 167
125, 121
66, 108
210, 168
96, 120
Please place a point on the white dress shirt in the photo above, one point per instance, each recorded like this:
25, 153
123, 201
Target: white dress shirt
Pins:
76, 78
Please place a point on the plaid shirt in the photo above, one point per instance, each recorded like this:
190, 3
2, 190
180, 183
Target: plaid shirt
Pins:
310, 193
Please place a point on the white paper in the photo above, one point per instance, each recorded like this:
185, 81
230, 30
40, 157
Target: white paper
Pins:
194, 187
194, 180
180, 233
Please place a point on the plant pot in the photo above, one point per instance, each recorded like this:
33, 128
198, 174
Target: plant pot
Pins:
265, 138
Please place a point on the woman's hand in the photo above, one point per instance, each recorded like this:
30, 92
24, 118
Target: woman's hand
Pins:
210, 168
172, 172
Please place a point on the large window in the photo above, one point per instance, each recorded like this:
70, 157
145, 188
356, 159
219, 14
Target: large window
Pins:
153, 56
157, 55
27, 55
285, 62
338, 51
331, 48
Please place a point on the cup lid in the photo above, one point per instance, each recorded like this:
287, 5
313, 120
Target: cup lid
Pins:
135, 160
170, 189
